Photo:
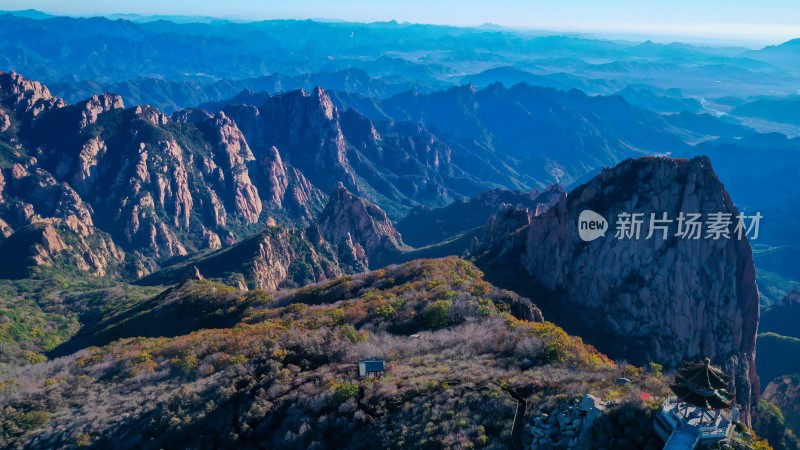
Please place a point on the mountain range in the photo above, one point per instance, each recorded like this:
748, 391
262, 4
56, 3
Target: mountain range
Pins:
211, 223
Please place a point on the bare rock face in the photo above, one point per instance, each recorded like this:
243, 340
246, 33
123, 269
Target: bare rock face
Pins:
284, 187
97, 104
278, 254
277, 257
504, 222
26, 97
273, 172
232, 156
547, 198
5, 121
49, 200
359, 228
227, 167
509, 218
49, 245
644, 299
86, 167
51, 214
783, 392
305, 127
5, 229
151, 115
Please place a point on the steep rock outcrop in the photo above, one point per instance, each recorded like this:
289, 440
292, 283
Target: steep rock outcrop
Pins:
5, 121
5, 229
643, 300
305, 127
395, 165
49, 198
228, 162
359, 227
275, 258
283, 187
24, 97
49, 222
504, 222
95, 105
783, 392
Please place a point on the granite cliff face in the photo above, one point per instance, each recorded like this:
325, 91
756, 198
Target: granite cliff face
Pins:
278, 257
161, 186
285, 188
351, 235
359, 229
25, 97
39, 212
305, 127
395, 165
643, 300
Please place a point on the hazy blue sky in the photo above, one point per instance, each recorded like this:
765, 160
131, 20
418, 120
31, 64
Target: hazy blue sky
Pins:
766, 21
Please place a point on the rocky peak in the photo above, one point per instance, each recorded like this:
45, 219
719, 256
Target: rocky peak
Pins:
359, 129
232, 155
306, 128
508, 218
662, 300
504, 222
283, 187
96, 105
26, 97
351, 222
191, 115
232, 139
273, 172
150, 115
547, 198
323, 102
5, 121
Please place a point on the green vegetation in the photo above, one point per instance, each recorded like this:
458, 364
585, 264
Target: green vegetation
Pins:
777, 355
40, 313
771, 424
283, 374
777, 275
8, 155
437, 314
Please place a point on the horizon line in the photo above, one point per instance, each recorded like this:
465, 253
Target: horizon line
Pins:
663, 36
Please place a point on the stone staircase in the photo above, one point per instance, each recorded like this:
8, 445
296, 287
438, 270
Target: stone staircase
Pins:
683, 438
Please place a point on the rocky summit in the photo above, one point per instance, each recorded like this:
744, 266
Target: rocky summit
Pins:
360, 227
656, 299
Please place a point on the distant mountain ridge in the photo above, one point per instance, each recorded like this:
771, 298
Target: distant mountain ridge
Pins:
170, 96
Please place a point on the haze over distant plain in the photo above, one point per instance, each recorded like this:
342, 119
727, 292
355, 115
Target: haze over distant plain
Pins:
734, 22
